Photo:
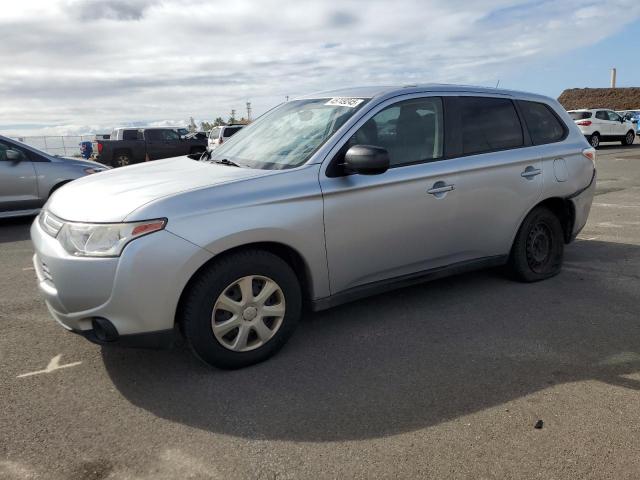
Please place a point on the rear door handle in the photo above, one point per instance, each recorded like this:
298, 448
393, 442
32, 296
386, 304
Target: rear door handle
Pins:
440, 187
530, 172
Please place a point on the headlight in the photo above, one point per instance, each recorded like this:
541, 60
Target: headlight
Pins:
103, 239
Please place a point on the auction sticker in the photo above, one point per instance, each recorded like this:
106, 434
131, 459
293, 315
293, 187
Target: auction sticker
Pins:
345, 102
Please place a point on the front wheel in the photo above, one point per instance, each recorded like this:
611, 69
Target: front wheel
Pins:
538, 249
241, 309
629, 138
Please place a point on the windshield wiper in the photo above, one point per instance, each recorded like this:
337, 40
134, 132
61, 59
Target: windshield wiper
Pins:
226, 161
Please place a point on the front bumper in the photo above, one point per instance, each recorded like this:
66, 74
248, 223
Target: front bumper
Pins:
137, 293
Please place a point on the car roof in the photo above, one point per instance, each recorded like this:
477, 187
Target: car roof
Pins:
387, 91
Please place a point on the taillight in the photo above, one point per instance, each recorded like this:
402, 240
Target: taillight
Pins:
584, 123
590, 153
99, 147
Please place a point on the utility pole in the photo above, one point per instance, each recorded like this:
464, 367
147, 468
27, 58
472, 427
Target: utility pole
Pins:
248, 111
233, 116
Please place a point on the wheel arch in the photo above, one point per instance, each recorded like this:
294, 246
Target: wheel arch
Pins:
58, 185
287, 253
561, 208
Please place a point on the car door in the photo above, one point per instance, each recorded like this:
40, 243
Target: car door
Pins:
499, 175
394, 224
603, 124
157, 146
618, 127
176, 145
18, 182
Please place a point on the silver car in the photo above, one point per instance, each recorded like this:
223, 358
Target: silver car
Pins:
323, 200
29, 176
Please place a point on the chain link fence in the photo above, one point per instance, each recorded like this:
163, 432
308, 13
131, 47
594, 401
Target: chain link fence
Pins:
63, 145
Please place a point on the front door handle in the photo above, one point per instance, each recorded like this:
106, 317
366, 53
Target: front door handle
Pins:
530, 172
439, 188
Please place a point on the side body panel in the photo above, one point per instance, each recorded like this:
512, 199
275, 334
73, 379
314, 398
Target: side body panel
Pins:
283, 207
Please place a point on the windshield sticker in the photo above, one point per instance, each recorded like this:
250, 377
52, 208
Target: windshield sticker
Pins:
345, 102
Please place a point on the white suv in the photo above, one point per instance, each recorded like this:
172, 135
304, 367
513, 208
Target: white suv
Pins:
602, 125
218, 135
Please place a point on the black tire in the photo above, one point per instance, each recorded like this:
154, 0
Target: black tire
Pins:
121, 159
538, 249
594, 140
198, 305
629, 138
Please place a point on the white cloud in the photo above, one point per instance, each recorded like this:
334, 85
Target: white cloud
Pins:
100, 63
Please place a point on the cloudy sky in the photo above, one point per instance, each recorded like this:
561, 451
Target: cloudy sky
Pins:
75, 66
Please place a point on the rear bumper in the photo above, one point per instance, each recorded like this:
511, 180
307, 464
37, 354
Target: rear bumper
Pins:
581, 201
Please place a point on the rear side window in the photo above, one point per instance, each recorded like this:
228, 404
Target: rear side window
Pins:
129, 134
230, 131
602, 115
580, 115
543, 125
153, 135
489, 124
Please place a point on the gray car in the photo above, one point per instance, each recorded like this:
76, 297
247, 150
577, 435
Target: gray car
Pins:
29, 176
323, 200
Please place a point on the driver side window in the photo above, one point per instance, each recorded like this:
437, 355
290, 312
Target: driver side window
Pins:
614, 117
7, 146
411, 131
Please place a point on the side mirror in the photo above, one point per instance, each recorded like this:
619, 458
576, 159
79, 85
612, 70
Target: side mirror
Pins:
13, 156
366, 160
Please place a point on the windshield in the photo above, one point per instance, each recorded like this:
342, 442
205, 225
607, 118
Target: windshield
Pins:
580, 115
287, 136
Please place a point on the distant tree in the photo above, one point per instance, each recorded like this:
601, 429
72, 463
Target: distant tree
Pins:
218, 122
192, 125
205, 126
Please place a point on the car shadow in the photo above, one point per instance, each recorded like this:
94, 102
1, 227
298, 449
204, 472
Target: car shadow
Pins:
412, 358
15, 229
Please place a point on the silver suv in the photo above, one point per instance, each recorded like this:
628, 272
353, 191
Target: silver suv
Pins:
323, 200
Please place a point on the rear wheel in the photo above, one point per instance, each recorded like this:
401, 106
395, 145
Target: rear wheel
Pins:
121, 159
538, 249
594, 140
629, 138
242, 309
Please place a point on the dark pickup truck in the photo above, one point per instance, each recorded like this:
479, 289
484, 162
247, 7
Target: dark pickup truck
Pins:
135, 145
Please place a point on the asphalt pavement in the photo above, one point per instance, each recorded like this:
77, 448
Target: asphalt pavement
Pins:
441, 380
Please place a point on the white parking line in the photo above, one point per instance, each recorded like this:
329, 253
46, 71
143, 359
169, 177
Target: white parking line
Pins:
27, 268
54, 365
614, 205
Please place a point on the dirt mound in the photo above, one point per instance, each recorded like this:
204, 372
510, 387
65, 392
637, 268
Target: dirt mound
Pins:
613, 98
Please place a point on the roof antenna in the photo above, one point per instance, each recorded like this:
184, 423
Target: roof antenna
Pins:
498, 83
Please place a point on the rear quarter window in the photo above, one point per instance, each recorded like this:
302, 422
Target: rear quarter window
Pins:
580, 115
230, 131
129, 135
543, 125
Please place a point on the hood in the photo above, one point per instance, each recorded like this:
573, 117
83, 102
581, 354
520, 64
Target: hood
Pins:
81, 162
111, 195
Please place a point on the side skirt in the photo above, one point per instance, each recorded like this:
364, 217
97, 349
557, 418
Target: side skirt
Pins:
381, 286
